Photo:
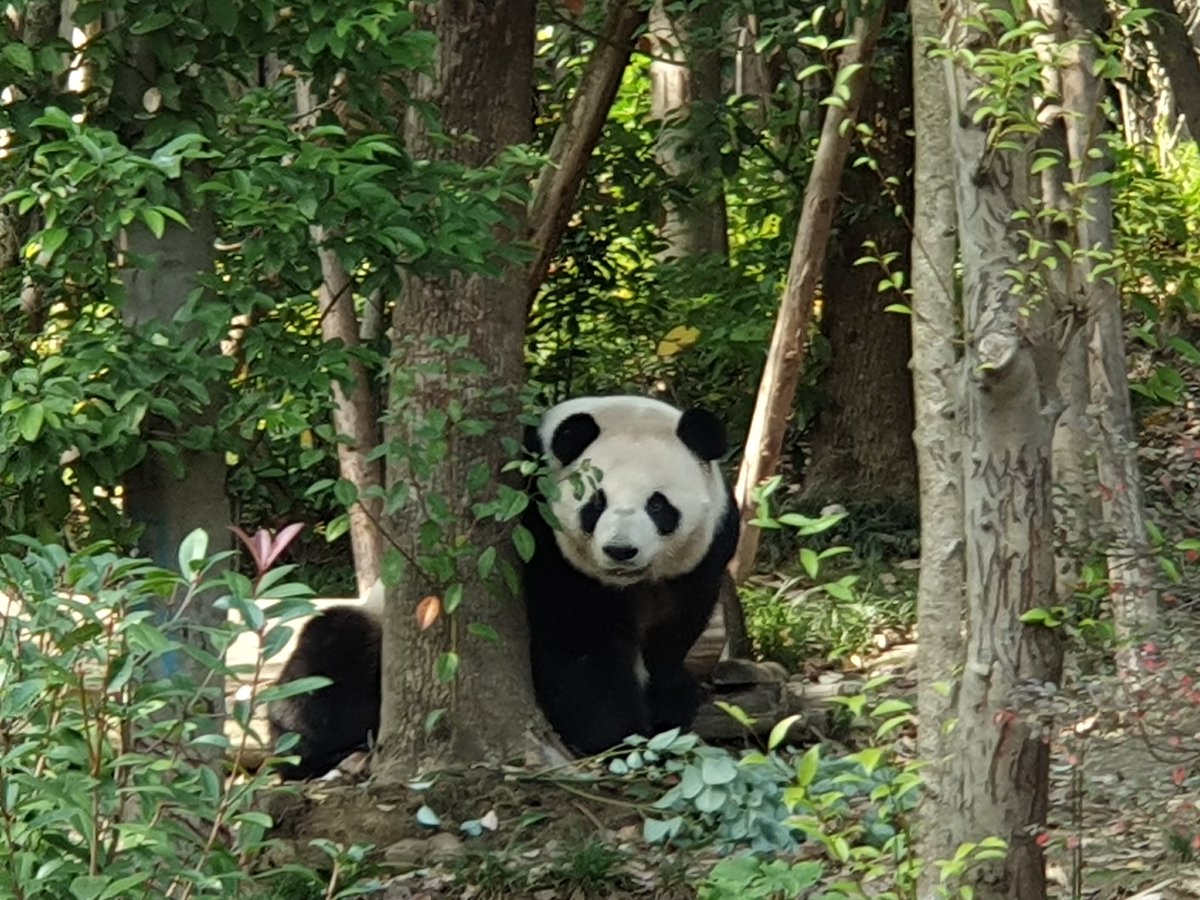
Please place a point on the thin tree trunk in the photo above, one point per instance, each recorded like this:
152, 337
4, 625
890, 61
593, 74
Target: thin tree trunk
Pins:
785, 358
355, 408
937, 437
1131, 568
482, 85
1011, 405
685, 87
555, 190
861, 447
1175, 52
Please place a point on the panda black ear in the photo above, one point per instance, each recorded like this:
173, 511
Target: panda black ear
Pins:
702, 433
573, 435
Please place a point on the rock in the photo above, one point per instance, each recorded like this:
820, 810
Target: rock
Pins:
444, 847
407, 852
762, 702
746, 671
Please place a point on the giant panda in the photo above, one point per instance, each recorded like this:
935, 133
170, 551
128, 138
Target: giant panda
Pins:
620, 589
343, 644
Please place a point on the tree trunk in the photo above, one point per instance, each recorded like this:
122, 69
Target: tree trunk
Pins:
1174, 50
482, 84
1131, 568
937, 437
355, 417
685, 88
556, 187
168, 505
862, 448
785, 358
171, 506
1011, 405
355, 408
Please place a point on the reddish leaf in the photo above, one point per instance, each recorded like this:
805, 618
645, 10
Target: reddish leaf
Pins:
286, 535
574, 7
1042, 839
429, 611
1072, 841
1179, 776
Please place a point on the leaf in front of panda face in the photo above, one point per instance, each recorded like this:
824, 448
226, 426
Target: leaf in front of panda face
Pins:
523, 540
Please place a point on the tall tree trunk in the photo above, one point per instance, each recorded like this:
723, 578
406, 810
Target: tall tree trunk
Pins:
862, 448
1011, 405
785, 359
685, 88
164, 273
1131, 568
937, 437
482, 84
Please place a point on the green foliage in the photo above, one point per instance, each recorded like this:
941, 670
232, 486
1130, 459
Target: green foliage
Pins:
755, 878
112, 770
195, 141
829, 609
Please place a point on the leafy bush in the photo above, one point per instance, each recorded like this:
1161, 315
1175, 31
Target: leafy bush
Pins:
113, 757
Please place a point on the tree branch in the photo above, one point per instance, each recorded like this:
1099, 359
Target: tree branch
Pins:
556, 187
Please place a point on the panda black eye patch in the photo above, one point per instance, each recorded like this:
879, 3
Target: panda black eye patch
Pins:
664, 516
590, 514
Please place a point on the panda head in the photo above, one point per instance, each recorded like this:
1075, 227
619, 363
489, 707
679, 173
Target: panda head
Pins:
640, 493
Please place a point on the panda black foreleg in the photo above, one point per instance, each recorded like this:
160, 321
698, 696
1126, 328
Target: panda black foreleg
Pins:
594, 701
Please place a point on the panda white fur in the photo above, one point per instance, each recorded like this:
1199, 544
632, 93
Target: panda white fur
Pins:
619, 592
341, 643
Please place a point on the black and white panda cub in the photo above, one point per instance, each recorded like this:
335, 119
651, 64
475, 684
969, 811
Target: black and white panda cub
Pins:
343, 644
617, 595
615, 598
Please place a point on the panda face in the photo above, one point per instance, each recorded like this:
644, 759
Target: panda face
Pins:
637, 502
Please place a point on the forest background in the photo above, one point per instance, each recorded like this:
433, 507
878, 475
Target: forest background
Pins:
324, 255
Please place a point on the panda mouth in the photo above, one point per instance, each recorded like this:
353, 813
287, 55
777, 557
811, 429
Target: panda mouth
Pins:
628, 572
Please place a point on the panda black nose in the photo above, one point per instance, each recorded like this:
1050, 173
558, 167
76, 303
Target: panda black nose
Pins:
620, 552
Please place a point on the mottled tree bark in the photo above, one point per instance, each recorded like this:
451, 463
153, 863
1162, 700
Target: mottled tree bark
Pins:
938, 438
1011, 406
482, 85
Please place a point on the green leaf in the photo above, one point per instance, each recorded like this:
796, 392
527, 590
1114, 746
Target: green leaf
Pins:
29, 421
718, 770
523, 540
154, 221
152, 22
780, 731
427, 817
487, 563
192, 551
658, 831
391, 568
808, 559
447, 667
806, 769
88, 887
19, 55
484, 632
